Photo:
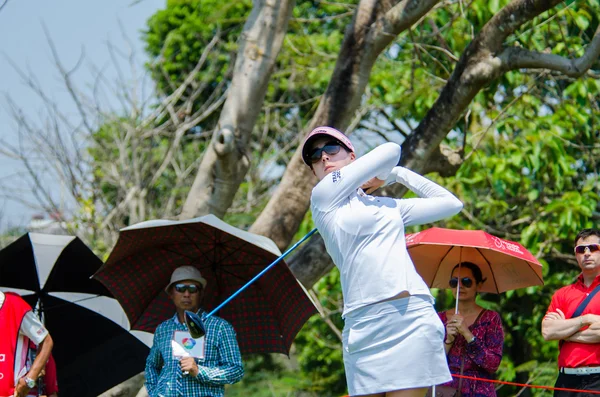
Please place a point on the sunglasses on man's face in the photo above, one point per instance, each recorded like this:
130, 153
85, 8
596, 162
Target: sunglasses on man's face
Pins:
465, 282
331, 148
191, 288
580, 249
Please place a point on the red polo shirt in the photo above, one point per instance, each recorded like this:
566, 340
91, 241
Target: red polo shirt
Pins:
573, 354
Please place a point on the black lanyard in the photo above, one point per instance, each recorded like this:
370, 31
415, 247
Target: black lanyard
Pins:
585, 302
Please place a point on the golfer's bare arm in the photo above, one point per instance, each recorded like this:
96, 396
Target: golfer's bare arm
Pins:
44, 350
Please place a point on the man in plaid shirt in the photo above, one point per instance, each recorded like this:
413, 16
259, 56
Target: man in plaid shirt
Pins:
170, 373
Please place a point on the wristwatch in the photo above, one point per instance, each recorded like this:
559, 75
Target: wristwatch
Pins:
30, 382
473, 339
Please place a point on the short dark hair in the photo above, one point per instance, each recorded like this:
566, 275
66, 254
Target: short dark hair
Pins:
585, 233
474, 268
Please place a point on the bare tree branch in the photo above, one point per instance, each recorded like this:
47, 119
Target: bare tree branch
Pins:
446, 161
226, 162
125, 144
520, 58
477, 66
398, 19
325, 314
3, 4
66, 75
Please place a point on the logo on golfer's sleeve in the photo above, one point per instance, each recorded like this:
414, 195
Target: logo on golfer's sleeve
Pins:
336, 176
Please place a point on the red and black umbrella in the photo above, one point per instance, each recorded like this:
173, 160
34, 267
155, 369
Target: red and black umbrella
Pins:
266, 316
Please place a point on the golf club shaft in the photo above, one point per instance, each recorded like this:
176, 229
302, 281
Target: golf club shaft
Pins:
266, 269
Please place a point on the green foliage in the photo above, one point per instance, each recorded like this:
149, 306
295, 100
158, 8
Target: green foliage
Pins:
319, 348
268, 379
534, 179
177, 36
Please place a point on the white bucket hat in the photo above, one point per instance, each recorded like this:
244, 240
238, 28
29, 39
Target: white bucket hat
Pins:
186, 273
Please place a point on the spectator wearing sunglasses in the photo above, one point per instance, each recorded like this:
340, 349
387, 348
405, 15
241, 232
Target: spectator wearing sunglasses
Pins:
167, 374
391, 326
474, 335
578, 335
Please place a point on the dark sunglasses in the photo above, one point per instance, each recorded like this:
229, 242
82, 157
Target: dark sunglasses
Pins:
465, 282
580, 249
331, 148
191, 288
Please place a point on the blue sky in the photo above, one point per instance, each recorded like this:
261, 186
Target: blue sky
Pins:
73, 25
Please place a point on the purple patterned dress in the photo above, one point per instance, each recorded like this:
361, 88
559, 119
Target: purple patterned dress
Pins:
481, 358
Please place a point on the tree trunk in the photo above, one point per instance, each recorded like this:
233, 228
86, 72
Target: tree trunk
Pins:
225, 161
375, 25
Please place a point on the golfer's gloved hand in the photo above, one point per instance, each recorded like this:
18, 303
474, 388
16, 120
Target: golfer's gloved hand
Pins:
189, 364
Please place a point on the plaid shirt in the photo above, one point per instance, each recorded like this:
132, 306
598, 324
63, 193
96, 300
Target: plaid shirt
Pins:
222, 363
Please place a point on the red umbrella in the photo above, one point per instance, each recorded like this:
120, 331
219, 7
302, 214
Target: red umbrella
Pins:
507, 265
266, 316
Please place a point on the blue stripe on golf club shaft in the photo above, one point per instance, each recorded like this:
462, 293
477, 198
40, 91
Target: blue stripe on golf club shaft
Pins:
266, 269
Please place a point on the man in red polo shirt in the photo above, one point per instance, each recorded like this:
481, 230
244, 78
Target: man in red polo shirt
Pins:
579, 355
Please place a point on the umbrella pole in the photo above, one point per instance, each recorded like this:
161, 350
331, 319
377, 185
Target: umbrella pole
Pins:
458, 285
195, 323
266, 269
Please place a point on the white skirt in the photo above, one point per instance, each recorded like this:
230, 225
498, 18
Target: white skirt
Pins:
394, 345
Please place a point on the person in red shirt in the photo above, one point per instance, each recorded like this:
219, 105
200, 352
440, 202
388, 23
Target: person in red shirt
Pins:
19, 325
579, 348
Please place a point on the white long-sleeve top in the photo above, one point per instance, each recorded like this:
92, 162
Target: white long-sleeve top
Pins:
364, 235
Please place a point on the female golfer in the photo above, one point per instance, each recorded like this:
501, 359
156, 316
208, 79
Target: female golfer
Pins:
393, 338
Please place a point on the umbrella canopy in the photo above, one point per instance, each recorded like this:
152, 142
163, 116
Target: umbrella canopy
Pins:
507, 265
44, 263
266, 316
52, 273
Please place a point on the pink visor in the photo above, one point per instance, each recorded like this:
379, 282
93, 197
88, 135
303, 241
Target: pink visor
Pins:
323, 131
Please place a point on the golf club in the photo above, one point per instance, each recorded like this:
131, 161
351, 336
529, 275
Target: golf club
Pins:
195, 323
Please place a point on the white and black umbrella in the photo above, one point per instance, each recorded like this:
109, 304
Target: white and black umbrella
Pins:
93, 348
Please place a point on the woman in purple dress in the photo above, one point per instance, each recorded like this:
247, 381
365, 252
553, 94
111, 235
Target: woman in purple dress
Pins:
474, 336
